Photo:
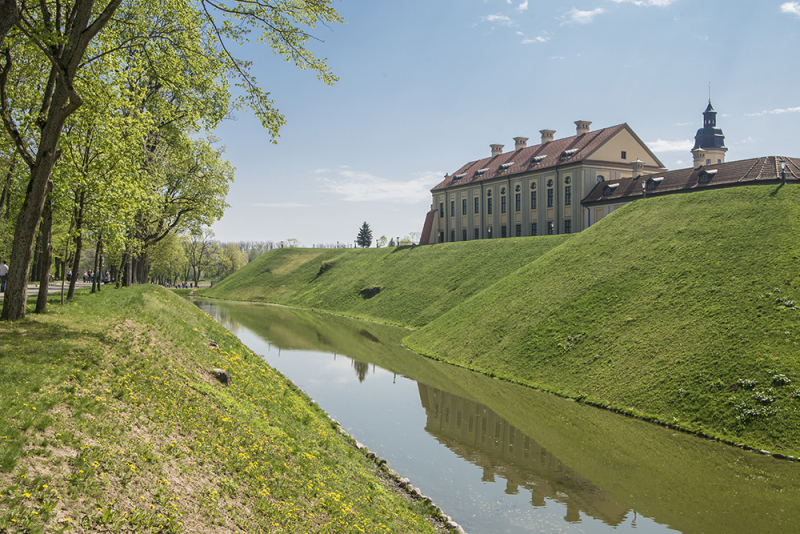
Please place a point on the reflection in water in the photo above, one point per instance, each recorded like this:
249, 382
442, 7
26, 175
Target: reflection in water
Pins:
480, 436
594, 469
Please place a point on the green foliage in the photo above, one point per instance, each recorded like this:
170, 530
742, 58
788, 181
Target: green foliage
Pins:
113, 420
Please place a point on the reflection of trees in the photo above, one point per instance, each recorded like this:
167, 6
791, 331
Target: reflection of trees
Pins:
362, 369
480, 436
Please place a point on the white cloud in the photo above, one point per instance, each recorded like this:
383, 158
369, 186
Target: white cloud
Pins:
365, 187
289, 205
499, 19
792, 8
556, 57
659, 3
773, 112
576, 16
661, 145
679, 162
523, 6
540, 39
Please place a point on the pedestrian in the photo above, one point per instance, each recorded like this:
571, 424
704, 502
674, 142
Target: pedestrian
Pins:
3, 275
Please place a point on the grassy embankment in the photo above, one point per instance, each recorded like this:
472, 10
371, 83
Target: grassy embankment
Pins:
678, 309
113, 422
418, 284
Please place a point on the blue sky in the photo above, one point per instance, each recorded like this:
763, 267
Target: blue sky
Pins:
427, 85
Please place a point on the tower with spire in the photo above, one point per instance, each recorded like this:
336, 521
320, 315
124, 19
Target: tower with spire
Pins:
709, 142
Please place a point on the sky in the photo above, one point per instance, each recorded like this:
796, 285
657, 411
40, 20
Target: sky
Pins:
427, 85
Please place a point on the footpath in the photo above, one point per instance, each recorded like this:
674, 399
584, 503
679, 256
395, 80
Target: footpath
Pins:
53, 287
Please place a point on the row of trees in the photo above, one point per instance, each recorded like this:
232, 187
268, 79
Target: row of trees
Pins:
106, 108
364, 238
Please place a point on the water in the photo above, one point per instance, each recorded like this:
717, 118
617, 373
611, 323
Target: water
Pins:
501, 458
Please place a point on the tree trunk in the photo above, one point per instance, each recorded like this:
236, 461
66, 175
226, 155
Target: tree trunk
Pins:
95, 272
76, 264
32, 206
99, 272
5, 197
46, 240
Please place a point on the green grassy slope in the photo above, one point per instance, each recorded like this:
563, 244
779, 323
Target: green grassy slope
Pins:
418, 283
676, 307
113, 422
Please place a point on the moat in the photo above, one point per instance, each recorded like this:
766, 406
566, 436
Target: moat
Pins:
501, 458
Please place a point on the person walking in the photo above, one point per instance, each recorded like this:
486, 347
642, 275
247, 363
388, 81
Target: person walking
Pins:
3, 275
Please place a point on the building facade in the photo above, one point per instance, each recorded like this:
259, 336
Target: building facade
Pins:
534, 190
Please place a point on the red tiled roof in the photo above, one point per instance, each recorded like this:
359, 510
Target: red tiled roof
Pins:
523, 159
766, 169
426, 228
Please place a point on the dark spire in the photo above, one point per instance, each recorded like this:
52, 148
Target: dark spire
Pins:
709, 136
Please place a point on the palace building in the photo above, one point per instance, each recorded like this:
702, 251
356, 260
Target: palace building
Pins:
533, 190
566, 185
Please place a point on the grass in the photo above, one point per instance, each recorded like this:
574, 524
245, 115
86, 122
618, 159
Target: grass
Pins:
113, 422
417, 284
679, 309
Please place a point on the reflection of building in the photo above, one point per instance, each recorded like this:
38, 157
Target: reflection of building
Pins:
480, 436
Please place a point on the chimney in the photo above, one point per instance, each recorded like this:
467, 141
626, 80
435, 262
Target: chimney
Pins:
699, 157
638, 167
496, 149
582, 127
520, 143
547, 136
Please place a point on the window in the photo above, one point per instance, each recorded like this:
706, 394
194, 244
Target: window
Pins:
600, 179
452, 235
533, 200
503, 204
550, 227
464, 207
464, 234
441, 209
477, 204
549, 198
549, 183
517, 188
708, 162
568, 226
503, 232
517, 202
623, 155
441, 237
488, 206
567, 180
477, 234
489, 232
568, 195
503, 191
518, 230
533, 228
452, 208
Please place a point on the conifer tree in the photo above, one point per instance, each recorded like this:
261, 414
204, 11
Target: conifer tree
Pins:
364, 238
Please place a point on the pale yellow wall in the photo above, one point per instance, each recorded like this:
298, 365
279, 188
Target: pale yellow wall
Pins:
623, 140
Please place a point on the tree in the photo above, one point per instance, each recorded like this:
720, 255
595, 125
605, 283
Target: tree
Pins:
381, 241
364, 238
48, 45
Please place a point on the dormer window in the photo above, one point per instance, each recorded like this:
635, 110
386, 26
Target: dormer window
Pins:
652, 183
569, 153
459, 176
538, 159
706, 176
610, 188
505, 166
480, 171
